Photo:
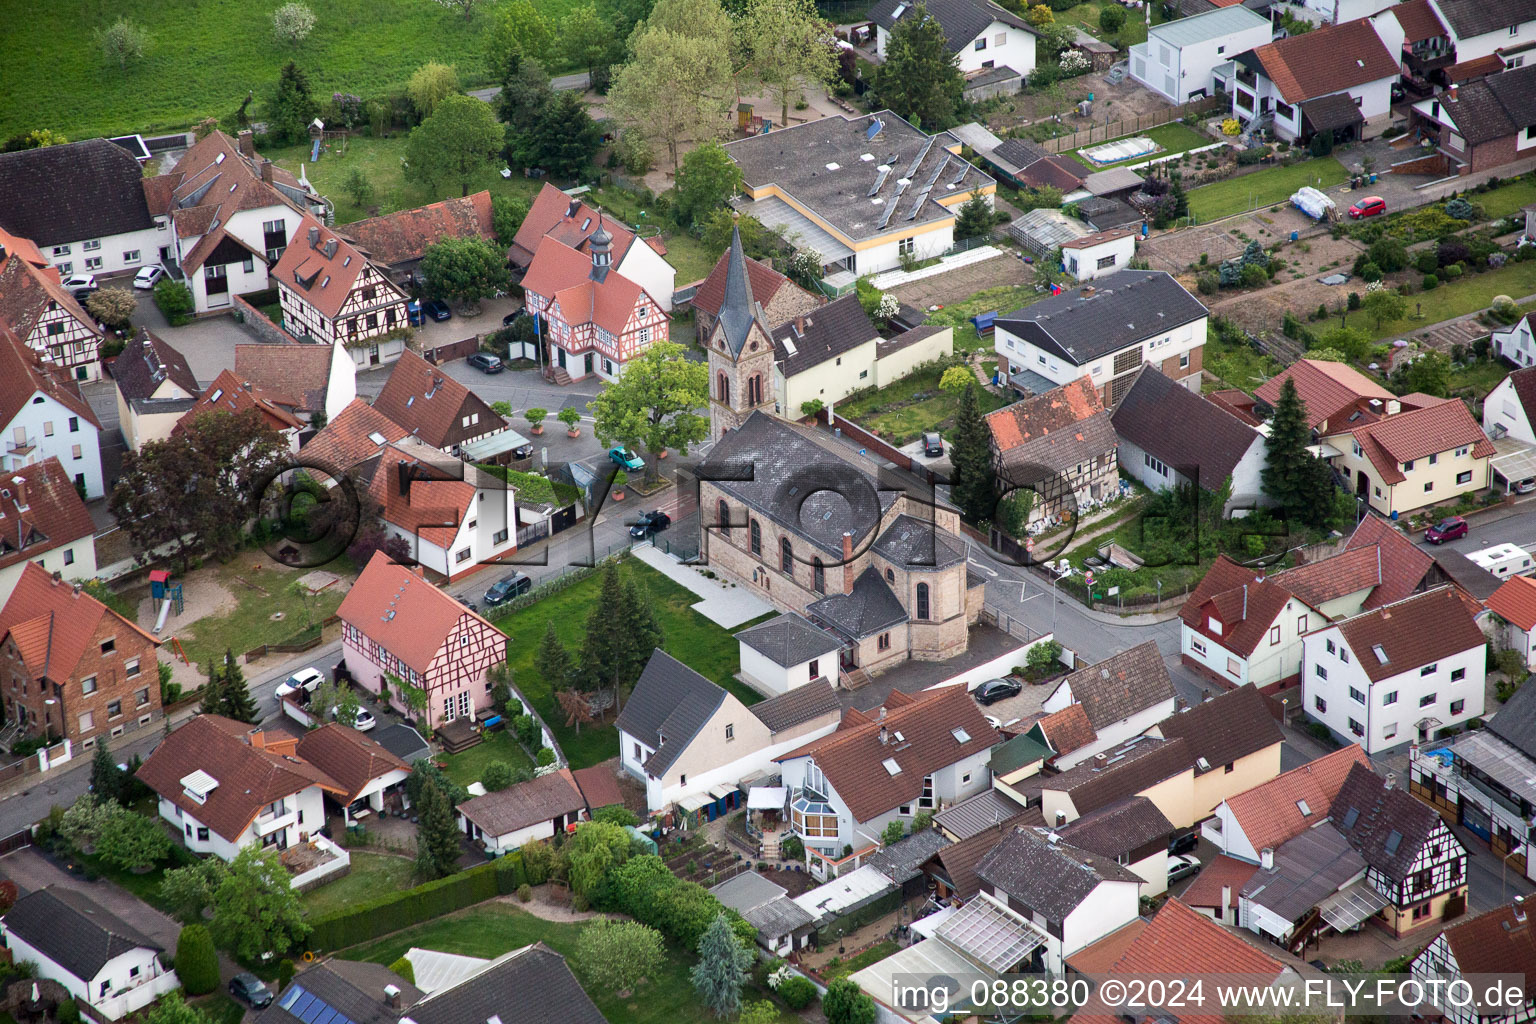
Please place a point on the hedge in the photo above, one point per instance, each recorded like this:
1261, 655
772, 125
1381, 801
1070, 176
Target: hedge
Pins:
394, 911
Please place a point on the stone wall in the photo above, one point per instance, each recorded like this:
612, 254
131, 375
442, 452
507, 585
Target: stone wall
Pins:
259, 324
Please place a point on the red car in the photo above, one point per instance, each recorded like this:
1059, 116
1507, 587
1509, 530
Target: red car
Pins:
1370, 206
1446, 529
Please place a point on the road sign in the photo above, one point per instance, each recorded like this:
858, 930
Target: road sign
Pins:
1113, 591
1088, 577
1029, 545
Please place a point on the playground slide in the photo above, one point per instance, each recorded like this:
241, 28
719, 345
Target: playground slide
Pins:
165, 613
314, 156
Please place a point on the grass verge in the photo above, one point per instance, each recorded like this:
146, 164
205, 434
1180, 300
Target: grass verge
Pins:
1262, 188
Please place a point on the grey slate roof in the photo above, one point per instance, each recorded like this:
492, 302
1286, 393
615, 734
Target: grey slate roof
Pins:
903, 860
918, 544
402, 741
1121, 771
669, 705
1051, 879
73, 932
788, 640
534, 970
1515, 722
1182, 429
738, 310
1466, 574
1331, 112
839, 326
1468, 18
1230, 725
1119, 828
1379, 814
978, 813
1019, 152
1134, 305
144, 364
791, 480
765, 904
1308, 869
962, 20
525, 804
72, 193
869, 608
1121, 685
798, 706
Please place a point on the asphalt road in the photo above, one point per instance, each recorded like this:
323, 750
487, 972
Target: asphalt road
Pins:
1513, 525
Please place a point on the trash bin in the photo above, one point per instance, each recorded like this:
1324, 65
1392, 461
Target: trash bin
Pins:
1295, 235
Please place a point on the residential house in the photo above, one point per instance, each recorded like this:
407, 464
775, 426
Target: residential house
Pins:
1071, 896
46, 524
1122, 696
1235, 740
833, 182
222, 788
1515, 605
985, 38
396, 242
539, 808
783, 926
332, 294
454, 517
1064, 733
1425, 46
782, 299
1281, 808
884, 574
84, 205
1505, 30
1414, 459
46, 317
1099, 254
685, 738
786, 652
824, 356
102, 961
1060, 444
228, 394
1497, 942
912, 755
155, 388
44, 416
1107, 333
354, 439
369, 773
960, 821
556, 216
1337, 78
1216, 891
232, 215
77, 669
1509, 410
1173, 437
399, 631
433, 406
322, 379
1019, 759
1483, 124
1133, 833
1397, 673
1336, 395
1179, 58
1021, 162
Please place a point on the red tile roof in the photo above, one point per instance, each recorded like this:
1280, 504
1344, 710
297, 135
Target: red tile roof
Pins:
1419, 21
53, 517
1268, 813
1479, 67
1060, 409
1222, 870
1068, 729
53, 623
1418, 435
405, 614
599, 785
419, 497
1495, 943
347, 756
1327, 388
406, 235
27, 249
228, 394
320, 267
348, 439
1238, 403
1403, 564
1329, 579
302, 372
1240, 599
569, 221
765, 282
1098, 957
1325, 61
428, 403
560, 272
24, 375
1515, 601
26, 292
1413, 632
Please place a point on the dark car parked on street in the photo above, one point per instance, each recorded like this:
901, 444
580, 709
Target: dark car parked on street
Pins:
649, 524
994, 690
485, 362
508, 587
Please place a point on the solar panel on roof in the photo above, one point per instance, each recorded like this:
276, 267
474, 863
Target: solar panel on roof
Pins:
1351, 816
920, 157
885, 172
936, 172
877, 124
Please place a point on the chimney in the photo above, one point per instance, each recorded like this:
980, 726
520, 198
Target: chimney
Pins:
1226, 901
1061, 818
1267, 858
57, 575
1389, 781
2, 254
883, 736
800, 326
403, 475
20, 483
1519, 908
392, 996
247, 143
847, 562
1453, 92
266, 171
1053, 837
1394, 407
314, 238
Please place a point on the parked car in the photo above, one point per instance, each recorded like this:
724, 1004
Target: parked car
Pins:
514, 316
994, 690
933, 444
485, 362
305, 681
625, 458
649, 524
148, 277
508, 587
363, 722
523, 451
1185, 843
1449, 528
1181, 867
1370, 206
248, 988
80, 283
1526, 486
413, 313
437, 309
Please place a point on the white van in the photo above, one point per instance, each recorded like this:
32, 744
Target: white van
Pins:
1504, 560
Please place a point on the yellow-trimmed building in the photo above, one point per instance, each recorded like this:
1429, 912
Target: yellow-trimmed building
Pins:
1403, 462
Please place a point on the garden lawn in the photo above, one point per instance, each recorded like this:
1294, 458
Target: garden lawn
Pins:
1237, 365
840, 968
497, 746
371, 874
902, 410
690, 637
1134, 31
1467, 294
492, 929
250, 624
1003, 299
205, 55
1263, 188
1173, 137
1508, 198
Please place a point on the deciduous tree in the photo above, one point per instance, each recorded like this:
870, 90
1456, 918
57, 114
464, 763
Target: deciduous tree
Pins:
255, 909
520, 33
123, 41
173, 1009
506, 217
619, 955
464, 270
464, 7
132, 841
723, 969
652, 405
188, 891
112, 306
677, 86
293, 22
787, 47
920, 79
456, 145
430, 84
586, 40
708, 178
1384, 305
1429, 374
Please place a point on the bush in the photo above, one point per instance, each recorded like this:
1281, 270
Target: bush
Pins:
1450, 252
1430, 281
1452, 272
497, 776
1207, 284
1389, 254
1253, 276
174, 300
524, 893
1354, 301
544, 758
1370, 272
284, 973
844, 1003
197, 962
69, 1012
1112, 18
792, 848
1249, 157
393, 911
1426, 262
798, 992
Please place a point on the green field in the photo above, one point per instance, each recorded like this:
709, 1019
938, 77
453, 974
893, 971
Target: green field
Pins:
205, 55
690, 637
1173, 137
1468, 294
492, 929
1262, 188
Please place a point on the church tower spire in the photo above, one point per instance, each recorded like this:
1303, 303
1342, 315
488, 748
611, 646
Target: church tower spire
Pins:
740, 347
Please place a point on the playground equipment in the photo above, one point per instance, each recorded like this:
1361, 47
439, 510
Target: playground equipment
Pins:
165, 595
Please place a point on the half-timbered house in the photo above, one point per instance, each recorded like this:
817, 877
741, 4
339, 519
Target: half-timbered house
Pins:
428, 403
593, 318
1502, 941
35, 305
330, 292
571, 222
403, 636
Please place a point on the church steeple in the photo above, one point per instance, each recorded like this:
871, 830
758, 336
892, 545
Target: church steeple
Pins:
738, 310
741, 351
601, 243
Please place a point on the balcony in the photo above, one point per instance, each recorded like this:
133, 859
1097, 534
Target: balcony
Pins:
267, 822
24, 447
